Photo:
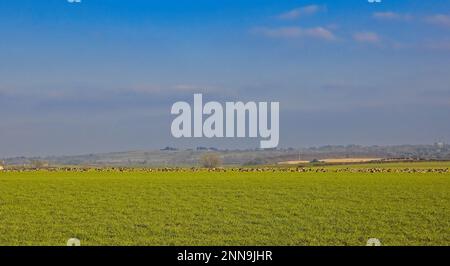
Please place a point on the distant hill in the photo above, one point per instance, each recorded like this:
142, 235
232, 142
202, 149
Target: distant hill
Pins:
174, 157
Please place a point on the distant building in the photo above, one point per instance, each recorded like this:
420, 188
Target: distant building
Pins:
169, 149
440, 145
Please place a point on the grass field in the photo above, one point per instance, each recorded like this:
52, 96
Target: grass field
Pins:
138, 208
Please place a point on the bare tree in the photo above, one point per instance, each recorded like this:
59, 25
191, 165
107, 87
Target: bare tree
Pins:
210, 160
37, 164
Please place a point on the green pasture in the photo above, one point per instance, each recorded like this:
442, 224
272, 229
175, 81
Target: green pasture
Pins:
280, 208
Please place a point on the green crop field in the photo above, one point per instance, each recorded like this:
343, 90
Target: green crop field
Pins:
232, 208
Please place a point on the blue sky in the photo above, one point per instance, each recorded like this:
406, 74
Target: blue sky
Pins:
102, 75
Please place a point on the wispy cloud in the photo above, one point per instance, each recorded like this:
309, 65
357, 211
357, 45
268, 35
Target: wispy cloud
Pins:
367, 37
391, 16
296, 32
439, 20
438, 45
73, 99
301, 11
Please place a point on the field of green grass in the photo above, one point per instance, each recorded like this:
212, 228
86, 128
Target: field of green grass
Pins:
140, 208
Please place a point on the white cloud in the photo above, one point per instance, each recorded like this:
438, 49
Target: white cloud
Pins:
177, 88
366, 37
439, 19
391, 16
297, 32
300, 12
